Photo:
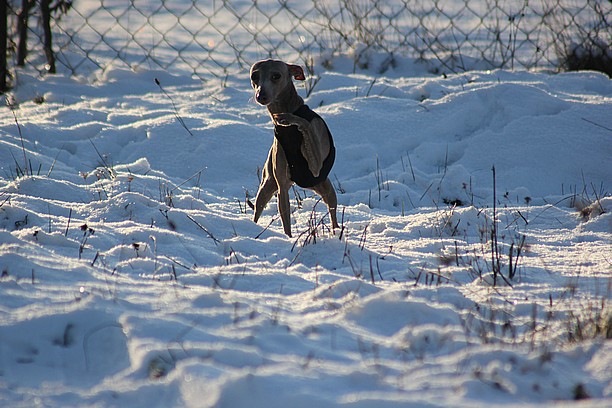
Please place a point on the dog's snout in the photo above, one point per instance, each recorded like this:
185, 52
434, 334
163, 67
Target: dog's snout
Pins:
261, 97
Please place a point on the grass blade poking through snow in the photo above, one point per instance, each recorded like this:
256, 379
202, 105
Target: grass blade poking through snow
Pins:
495, 255
110, 170
18, 169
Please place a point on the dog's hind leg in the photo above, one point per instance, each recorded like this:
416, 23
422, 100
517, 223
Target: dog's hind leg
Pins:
326, 190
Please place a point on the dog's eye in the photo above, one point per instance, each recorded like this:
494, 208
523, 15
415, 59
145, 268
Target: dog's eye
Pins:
275, 76
255, 76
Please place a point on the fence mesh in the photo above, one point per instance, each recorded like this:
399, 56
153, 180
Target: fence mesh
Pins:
218, 37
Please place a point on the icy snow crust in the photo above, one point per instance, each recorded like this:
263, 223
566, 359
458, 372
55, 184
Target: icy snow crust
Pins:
132, 274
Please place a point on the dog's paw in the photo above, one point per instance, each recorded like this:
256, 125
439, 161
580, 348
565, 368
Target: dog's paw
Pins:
284, 119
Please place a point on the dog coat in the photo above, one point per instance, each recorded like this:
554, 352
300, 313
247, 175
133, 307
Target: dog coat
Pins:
291, 139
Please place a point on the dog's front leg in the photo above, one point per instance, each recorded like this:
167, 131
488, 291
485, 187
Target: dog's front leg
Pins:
267, 187
310, 148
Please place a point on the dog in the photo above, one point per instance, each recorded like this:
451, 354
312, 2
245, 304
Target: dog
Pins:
303, 150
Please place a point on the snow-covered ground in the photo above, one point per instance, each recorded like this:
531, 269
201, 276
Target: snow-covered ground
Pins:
132, 274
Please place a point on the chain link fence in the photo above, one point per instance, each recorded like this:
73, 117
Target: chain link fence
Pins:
214, 38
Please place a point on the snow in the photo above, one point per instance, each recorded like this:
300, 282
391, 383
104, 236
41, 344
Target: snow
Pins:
132, 274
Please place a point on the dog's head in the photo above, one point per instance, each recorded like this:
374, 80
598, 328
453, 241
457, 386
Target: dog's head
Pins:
270, 77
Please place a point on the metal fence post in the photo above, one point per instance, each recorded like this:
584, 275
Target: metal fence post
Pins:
3, 40
22, 29
48, 42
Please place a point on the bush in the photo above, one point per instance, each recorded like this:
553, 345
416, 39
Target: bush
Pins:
592, 54
582, 37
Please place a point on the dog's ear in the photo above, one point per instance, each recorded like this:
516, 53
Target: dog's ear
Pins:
297, 72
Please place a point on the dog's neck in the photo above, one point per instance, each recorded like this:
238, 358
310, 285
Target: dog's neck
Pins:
287, 101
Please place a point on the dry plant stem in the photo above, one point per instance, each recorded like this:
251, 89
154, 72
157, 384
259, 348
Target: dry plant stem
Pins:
215, 240
274, 218
25, 159
68, 224
494, 248
176, 114
110, 170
